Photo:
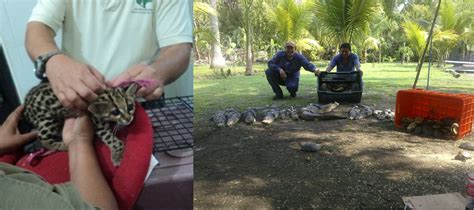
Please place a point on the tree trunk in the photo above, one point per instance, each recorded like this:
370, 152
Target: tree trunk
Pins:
249, 56
196, 49
403, 54
380, 54
195, 45
365, 55
249, 34
217, 60
464, 49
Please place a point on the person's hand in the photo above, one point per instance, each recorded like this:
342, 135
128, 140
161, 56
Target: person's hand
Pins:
75, 84
78, 130
10, 138
317, 72
282, 74
361, 72
141, 72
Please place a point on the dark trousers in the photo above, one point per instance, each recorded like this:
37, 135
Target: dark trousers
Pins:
291, 82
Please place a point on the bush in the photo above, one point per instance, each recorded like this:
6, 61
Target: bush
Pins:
387, 58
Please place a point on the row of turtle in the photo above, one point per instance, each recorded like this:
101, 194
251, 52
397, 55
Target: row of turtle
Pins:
268, 115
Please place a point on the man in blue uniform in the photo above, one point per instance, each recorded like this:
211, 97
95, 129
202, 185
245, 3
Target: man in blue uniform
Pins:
345, 61
284, 69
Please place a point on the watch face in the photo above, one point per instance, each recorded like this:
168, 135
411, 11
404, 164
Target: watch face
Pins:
40, 64
39, 68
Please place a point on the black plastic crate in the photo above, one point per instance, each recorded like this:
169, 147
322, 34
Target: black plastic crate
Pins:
341, 87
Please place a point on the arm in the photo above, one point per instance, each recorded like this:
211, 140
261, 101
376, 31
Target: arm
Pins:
10, 138
273, 63
331, 64
86, 175
171, 63
357, 63
308, 66
79, 85
173, 29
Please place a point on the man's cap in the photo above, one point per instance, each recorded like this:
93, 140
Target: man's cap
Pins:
290, 44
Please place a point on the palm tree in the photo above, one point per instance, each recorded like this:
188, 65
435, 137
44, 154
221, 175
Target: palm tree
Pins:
415, 36
383, 34
370, 43
292, 19
204, 9
444, 42
248, 27
455, 21
345, 19
217, 60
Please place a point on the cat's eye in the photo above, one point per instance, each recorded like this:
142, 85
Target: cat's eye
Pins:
115, 112
130, 107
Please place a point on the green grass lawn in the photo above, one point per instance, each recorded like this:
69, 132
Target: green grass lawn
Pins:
213, 91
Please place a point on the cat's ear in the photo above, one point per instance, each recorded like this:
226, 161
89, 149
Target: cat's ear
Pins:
132, 89
99, 107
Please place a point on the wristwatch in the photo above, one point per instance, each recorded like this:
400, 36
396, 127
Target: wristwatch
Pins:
40, 63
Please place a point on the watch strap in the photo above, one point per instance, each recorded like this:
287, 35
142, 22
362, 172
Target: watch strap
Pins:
40, 63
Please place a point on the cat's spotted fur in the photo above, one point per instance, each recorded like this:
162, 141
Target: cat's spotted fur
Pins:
113, 108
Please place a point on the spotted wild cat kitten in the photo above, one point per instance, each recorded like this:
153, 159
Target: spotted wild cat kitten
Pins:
113, 108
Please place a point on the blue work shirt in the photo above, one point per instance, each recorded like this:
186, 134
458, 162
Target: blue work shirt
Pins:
290, 66
349, 66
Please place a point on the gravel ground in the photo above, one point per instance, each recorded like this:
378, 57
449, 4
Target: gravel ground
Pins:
362, 164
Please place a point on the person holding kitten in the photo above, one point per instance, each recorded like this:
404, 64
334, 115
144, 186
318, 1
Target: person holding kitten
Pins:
86, 190
106, 43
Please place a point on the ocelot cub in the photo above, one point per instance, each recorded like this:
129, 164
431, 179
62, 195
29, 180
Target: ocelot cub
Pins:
113, 108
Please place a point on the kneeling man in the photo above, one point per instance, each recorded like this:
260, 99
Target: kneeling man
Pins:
284, 69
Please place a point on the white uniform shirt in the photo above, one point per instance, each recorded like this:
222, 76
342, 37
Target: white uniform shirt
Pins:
113, 35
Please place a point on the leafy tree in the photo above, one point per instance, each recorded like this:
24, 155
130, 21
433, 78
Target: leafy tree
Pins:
415, 36
405, 53
370, 43
292, 19
347, 19
454, 27
383, 35
201, 13
444, 42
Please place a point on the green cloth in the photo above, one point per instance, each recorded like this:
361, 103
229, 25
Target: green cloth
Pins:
21, 189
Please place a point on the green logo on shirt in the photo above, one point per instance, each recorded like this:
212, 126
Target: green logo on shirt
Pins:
143, 3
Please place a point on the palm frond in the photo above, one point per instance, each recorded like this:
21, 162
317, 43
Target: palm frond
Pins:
359, 15
308, 44
205, 34
291, 18
371, 43
204, 8
389, 6
416, 37
332, 17
445, 36
345, 18
447, 15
